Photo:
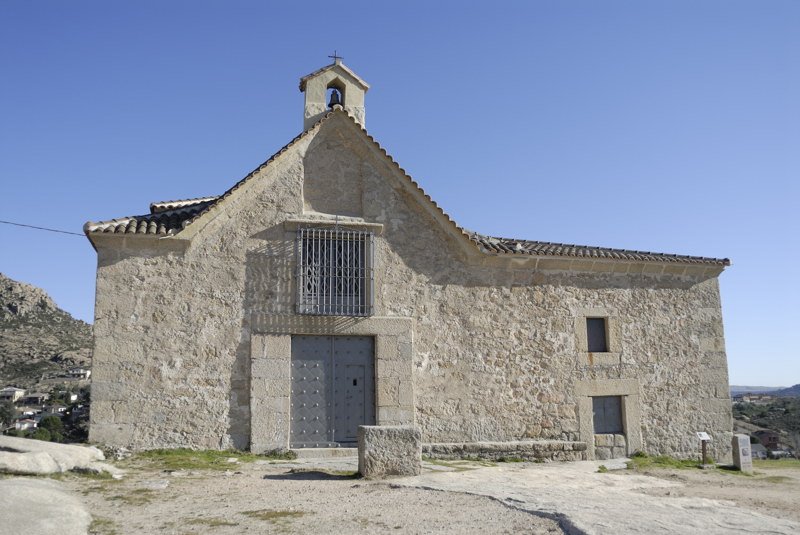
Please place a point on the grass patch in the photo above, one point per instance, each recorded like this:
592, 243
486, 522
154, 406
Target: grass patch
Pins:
510, 460
272, 515
213, 522
776, 479
95, 488
731, 469
185, 459
643, 462
102, 526
135, 497
777, 463
602, 469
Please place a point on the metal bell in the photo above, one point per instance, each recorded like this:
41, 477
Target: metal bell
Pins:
335, 99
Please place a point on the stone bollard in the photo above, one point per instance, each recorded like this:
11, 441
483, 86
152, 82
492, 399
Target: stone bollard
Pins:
389, 450
742, 457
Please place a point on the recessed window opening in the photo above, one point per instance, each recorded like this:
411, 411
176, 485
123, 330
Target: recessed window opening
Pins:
596, 335
334, 272
607, 415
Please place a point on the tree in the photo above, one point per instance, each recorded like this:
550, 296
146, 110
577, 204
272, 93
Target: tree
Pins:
54, 427
8, 413
40, 434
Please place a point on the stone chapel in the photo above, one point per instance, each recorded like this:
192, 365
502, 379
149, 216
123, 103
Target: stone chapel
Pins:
326, 290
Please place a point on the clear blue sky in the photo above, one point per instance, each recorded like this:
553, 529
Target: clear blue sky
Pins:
669, 126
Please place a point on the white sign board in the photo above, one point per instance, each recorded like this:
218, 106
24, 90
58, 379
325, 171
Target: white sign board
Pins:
702, 435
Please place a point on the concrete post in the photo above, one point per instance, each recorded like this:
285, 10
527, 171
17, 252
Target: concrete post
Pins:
741, 453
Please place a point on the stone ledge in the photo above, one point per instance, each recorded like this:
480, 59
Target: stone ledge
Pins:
556, 450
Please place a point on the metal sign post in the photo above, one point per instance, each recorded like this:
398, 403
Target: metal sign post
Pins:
704, 438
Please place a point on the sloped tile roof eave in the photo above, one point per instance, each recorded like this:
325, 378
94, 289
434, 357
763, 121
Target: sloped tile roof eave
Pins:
511, 247
188, 211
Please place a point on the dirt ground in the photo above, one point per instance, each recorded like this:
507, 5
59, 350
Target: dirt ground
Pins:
773, 490
259, 498
284, 498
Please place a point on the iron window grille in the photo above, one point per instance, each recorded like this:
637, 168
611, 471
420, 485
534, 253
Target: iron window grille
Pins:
334, 272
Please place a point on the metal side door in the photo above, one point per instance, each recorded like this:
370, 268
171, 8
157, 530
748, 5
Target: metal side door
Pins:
353, 386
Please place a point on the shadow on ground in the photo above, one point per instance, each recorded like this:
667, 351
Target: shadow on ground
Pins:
311, 475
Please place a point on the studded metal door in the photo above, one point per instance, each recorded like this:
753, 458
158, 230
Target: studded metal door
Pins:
353, 386
333, 389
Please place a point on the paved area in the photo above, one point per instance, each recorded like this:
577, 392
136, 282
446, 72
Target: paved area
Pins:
588, 502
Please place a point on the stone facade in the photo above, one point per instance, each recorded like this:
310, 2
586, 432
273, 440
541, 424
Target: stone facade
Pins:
194, 321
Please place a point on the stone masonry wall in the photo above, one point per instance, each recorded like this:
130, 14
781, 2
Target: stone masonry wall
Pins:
497, 350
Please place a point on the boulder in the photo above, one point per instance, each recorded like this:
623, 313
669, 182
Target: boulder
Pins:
386, 450
25, 456
33, 463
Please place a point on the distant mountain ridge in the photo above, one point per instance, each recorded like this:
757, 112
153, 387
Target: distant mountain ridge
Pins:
37, 337
743, 389
792, 391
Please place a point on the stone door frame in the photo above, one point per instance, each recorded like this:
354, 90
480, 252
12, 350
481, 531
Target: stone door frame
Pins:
628, 390
270, 371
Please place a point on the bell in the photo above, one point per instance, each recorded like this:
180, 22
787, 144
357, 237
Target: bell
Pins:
335, 99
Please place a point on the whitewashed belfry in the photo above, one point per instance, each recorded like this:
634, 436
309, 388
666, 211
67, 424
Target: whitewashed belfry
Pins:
338, 77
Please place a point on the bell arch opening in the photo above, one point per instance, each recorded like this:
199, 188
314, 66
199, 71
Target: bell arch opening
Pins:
335, 85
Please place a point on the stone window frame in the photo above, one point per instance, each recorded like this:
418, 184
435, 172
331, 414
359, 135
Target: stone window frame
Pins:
612, 356
628, 391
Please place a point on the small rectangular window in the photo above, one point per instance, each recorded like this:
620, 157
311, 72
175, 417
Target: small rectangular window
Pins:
596, 335
607, 414
334, 272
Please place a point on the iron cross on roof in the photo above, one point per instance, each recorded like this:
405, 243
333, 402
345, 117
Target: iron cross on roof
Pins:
335, 57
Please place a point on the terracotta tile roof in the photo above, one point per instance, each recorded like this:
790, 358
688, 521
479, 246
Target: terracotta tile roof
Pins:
162, 221
163, 206
170, 217
305, 78
539, 248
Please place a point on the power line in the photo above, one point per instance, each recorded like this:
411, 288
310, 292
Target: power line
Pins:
41, 228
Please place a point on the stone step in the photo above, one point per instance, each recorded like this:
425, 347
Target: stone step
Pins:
325, 453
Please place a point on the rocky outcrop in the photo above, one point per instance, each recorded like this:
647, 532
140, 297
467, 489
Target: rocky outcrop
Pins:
41, 507
37, 337
23, 456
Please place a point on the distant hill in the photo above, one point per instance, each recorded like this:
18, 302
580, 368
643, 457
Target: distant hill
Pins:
792, 391
741, 389
37, 337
